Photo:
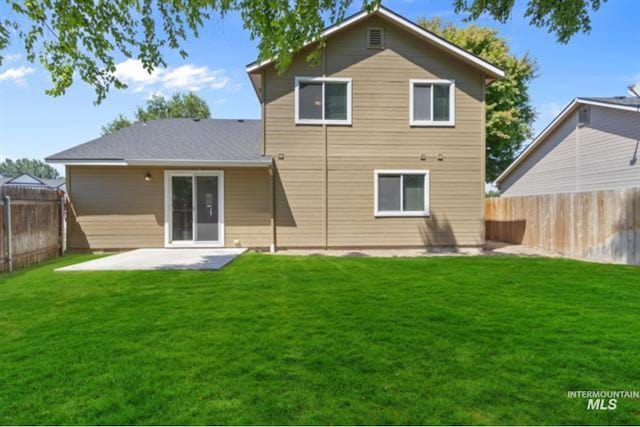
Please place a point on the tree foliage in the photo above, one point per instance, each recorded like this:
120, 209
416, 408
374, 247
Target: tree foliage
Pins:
116, 124
33, 167
188, 105
84, 38
509, 112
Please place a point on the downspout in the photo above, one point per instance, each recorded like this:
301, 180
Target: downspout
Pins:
325, 166
483, 157
272, 179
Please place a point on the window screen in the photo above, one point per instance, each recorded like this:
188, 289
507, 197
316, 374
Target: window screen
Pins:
413, 193
441, 103
389, 192
335, 101
422, 102
310, 102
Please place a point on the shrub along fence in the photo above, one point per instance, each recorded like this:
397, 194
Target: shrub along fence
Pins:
599, 225
33, 225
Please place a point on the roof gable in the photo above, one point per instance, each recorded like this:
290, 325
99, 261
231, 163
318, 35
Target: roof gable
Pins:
26, 179
432, 39
616, 103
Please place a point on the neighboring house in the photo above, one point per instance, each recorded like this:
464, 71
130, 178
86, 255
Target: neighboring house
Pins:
592, 145
28, 180
382, 144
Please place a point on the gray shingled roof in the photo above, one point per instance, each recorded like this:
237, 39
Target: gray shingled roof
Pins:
53, 183
629, 101
175, 139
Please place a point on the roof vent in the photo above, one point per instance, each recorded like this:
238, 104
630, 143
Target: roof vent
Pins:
240, 120
375, 38
619, 97
196, 119
584, 115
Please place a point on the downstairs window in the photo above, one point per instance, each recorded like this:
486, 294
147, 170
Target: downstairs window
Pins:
401, 193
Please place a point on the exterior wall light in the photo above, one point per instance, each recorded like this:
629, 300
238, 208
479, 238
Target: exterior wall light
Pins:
147, 177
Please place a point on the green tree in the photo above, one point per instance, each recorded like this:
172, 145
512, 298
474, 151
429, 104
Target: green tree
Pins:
116, 124
84, 38
509, 112
187, 105
33, 167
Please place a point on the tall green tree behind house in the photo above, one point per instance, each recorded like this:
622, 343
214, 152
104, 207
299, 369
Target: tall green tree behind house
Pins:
187, 105
84, 39
116, 124
509, 111
33, 167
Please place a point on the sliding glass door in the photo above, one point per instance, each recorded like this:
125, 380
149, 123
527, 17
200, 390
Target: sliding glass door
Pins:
194, 208
207, 208
182, 208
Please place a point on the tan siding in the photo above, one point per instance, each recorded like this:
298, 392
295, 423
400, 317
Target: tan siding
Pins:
599, 156
380, 138
115, 208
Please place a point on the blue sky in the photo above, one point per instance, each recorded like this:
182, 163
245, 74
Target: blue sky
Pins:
33, 124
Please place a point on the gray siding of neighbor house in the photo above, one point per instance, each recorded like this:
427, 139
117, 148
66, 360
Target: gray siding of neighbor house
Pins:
602, 155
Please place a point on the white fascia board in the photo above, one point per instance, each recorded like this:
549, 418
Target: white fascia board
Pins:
88, 162
632, 108
195, 162
177, 162
491, 69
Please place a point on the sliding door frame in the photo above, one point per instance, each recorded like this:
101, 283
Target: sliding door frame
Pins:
168, 210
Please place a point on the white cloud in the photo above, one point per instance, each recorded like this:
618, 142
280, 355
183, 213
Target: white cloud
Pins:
16, 75
135, 76
12, 57
185, 77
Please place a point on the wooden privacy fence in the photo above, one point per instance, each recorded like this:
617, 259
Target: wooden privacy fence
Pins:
33, 225
599, 225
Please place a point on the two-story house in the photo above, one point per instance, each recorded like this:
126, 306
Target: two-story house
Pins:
381, 144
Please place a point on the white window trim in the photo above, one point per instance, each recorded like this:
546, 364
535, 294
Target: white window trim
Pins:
168, 243
452, 103
401, 172
322, 80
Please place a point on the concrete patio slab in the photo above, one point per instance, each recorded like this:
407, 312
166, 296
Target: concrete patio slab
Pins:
161, 259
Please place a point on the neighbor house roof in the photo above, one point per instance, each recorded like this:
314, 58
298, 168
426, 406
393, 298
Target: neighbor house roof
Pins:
493, 72
28, 180
624, 103
174, 142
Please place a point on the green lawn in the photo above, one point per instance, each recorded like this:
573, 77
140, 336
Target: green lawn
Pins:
319, 340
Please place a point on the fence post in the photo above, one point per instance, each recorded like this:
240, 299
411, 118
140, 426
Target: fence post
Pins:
62, 223
8, 231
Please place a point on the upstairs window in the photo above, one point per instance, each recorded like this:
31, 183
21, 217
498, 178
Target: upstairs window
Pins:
432, 102
323, 100
401, 193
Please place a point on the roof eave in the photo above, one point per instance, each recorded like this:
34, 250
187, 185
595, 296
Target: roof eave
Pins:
266, 161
